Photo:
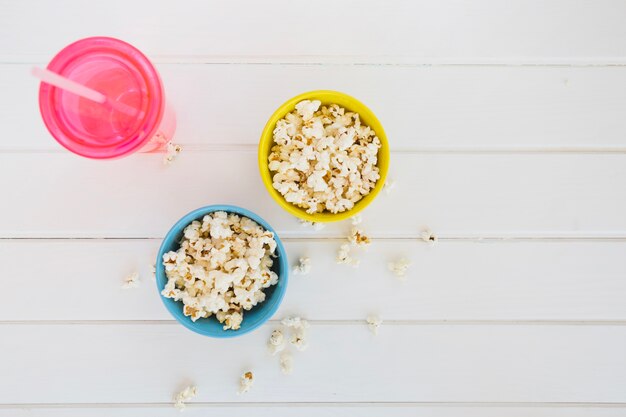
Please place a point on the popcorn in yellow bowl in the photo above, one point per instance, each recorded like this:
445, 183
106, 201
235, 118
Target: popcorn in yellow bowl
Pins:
323, 156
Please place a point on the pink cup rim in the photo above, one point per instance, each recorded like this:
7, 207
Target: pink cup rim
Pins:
132, 55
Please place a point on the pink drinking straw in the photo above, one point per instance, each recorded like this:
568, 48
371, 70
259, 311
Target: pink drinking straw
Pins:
80, 90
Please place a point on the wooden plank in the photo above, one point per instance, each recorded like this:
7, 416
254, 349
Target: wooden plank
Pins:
323, 410
56, 195
422, 108
354, 31
454, 281
148, 363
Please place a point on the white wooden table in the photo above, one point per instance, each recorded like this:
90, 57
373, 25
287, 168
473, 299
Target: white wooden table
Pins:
507, 123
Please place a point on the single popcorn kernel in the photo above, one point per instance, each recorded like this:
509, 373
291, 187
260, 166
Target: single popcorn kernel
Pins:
315, 225
185, 395
373, 323
286, 363
171, 153
429, 237
295, 322
298, 339
303, 267
222, 268
299, 331
356, 219
359, 238
245, 382
343, 256
276, 343
390, 184
399, 267
131, 281
323, 158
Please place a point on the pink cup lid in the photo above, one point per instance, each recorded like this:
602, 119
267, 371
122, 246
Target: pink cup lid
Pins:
120, 72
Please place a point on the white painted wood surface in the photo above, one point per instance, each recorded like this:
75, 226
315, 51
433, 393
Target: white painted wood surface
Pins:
457, 195
420, 31
531, 280
127, 363
506, 122
425, 108
322, 410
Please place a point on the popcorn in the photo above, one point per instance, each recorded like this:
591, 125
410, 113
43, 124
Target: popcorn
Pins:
428, 236
374, 322
221, 268
276, 343
232, 321
245, 382
295, 322
399, 267
298, 326
303, 267
307, 108
343, 256
356, 219
359, 238
286, 363
184, 396
316, 226
390, 184
323, 158
172, 152
131, 281
298, 339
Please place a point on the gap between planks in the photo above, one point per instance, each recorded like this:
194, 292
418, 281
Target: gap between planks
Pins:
511, 150
442, 239
349, 60
318, 404
450, 322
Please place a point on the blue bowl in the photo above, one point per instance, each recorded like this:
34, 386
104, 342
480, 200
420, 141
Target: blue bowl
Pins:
253, 318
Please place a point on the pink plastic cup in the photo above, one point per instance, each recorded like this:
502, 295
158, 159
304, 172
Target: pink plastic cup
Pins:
134, 117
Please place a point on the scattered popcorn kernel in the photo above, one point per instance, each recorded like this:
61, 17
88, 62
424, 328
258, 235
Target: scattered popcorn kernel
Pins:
316, 226
295, 322
131, 281
299, 339
286, 363
356, 219
185, 395
153, 270
171, 153
428, 236
399, 267
358, 237
276, 343
343, 256
303, 267
299, 331
323, 158
374, 322
222, 268
390, 184
245, 382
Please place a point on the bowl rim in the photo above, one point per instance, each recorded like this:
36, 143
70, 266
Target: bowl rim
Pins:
277, 296
266, 136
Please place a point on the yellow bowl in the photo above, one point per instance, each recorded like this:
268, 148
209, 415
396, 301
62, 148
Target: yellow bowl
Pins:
326, 97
